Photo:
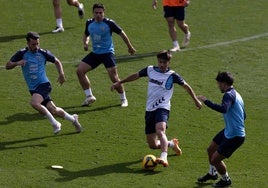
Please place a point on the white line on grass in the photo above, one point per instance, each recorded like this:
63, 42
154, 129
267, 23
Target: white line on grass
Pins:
188, 49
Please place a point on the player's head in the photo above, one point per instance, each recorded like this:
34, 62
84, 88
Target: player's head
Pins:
164, 58
225, 80
98, 11
32, 39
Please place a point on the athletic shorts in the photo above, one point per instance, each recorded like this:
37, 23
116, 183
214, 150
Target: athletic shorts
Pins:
94, 60
153, 117
43, 89
176, 12
227, 146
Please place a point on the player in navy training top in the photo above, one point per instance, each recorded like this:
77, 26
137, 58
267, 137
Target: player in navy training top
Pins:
32, 61
99, 30
160, 90
232, 136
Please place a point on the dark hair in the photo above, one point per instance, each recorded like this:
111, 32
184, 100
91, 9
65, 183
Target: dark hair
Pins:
32, 35
225, 77
98, 5
164, 54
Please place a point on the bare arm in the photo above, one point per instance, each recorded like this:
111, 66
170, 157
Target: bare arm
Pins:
11, 65
190, 91
59, 67
131, 49
85, 42
130, 78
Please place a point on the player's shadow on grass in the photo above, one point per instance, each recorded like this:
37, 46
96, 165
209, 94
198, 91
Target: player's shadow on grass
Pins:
199, 185
9, 145
21, 117
100, 171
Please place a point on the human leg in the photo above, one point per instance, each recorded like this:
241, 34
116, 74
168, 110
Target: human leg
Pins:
63, 114
212, 173
187, 34
160, 132
173, 33
58, 16
81, 71
79, 5
114, 77
35, 102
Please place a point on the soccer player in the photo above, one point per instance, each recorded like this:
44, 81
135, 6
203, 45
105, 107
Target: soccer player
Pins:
32, 60
228, 140
174, 10
58, 13
160, 90
99, 30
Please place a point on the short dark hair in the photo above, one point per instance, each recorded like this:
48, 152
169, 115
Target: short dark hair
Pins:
225, 77
164, 54
98, 5
32, 35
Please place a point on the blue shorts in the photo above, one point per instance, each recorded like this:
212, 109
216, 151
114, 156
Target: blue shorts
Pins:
94, 60
176, 12
43, 89
153, 117
227, 146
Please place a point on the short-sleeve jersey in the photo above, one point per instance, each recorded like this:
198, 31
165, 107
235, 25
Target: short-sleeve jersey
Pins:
34, 71
101, 35
174, 3
160, 87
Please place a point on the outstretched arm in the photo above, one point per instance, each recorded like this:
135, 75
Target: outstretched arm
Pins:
131, 49
190, 91
130, 78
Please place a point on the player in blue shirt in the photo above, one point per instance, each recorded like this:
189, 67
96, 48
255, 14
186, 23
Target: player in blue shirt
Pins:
161, 80
99, 30
32, 60
232, 136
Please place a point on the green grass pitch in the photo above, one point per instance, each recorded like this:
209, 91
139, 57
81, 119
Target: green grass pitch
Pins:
226, 35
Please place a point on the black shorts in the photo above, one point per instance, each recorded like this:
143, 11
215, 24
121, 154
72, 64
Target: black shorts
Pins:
44, 90
227, 146
153, 117
176, 12
94, 60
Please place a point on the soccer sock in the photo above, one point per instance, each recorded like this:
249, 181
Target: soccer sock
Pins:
59, 22
175, 43
88, 92
171, 144
69, 117
52, 120
164, 155
225, 177
122, 95
212, 170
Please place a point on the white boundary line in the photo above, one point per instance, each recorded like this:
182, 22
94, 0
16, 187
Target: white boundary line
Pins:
190, 49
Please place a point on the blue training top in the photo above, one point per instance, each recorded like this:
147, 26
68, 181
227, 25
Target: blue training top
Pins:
101, 35
34, 71
233, 111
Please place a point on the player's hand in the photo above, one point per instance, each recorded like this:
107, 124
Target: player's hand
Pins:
202, 98
154, 4
61, 79
131, 51
21, 63
115, 85
86, 47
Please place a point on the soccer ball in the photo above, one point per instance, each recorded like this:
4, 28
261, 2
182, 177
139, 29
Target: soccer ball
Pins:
149, 162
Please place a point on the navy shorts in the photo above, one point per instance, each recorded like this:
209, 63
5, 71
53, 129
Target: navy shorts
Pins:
94, 60
227, 146
176, 12
44, 90
153, 117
